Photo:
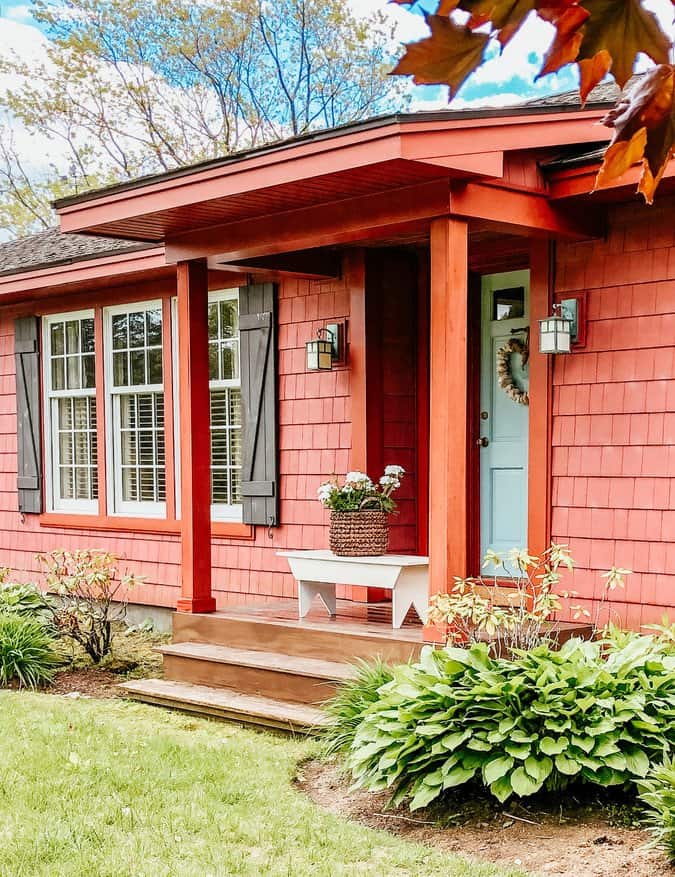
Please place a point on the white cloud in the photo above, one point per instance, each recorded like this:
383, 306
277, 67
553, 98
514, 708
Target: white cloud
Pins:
19, 13
30, 45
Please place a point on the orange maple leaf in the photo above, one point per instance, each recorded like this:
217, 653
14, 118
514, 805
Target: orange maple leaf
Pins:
623, 29
567, 41
644, 130
448, 56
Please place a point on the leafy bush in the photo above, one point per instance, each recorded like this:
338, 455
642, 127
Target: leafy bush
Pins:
348, 707
474, 610
592, 712
658, 793
27, 653
90, 597
23, 600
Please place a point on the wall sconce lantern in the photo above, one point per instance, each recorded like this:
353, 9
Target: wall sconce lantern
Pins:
557, 332
322, 350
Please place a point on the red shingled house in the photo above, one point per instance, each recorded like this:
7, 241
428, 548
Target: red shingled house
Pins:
167, 310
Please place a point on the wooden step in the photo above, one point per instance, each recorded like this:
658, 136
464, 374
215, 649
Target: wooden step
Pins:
229, 705
267, 674
327, 640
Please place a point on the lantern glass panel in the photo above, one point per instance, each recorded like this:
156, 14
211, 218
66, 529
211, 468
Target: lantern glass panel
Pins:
312, 356
325, 355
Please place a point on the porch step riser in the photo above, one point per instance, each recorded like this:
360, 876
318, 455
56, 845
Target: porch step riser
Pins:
303, 642
249, 680
225, 715
227, 705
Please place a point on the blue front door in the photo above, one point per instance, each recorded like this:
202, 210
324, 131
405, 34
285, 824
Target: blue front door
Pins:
504, 422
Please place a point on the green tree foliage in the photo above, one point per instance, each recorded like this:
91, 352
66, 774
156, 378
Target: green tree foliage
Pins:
132, 87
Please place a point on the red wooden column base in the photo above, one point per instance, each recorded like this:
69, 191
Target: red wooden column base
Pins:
195, 435
202, 604
448, 426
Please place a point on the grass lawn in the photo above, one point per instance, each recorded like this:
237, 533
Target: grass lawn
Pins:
112, 789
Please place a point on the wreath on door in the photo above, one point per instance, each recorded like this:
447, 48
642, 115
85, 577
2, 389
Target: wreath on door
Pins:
504, 371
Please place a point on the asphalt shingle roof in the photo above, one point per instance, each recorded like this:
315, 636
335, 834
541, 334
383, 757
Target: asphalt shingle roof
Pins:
51, 247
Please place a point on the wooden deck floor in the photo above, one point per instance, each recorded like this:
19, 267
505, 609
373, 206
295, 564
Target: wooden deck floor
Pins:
366, 618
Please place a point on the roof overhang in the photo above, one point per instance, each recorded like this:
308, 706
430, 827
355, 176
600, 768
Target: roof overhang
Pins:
579, 182
85, 274
386, 158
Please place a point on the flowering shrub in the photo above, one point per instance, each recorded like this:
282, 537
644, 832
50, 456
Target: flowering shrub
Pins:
91, 597
474, 608
359, 493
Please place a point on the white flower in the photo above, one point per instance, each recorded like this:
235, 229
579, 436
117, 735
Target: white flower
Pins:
394, 471
358, 480
390, 481
324, 492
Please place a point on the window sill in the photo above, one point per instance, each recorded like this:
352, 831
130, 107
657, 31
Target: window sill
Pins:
219, 529
232, 530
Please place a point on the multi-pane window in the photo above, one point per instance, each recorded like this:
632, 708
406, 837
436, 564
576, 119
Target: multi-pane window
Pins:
70, 382
134, 340
225, 404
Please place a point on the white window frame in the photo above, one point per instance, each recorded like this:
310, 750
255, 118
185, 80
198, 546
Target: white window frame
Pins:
55, 502
226, 511
115, 504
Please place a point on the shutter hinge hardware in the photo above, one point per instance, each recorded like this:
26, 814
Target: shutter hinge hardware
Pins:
270, 531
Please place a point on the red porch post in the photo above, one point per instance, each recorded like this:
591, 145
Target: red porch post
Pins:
448, 428
195, 437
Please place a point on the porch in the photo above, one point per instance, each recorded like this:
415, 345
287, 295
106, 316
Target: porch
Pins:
393, 241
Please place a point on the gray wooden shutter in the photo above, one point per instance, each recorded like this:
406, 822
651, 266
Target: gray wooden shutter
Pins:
29, 449
260, 475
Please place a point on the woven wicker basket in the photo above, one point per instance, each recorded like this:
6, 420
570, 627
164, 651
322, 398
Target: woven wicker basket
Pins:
359, 534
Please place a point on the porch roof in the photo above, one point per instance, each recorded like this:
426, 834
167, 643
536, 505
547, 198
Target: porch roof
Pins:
396, 153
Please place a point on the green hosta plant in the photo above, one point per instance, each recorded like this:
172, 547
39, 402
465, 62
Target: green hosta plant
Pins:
21, 599
658, 793
27, 654
592, 712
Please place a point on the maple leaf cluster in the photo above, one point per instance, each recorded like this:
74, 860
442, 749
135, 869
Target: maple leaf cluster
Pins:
600, 36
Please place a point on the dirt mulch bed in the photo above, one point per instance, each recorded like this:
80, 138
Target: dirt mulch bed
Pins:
582, 845
86, 683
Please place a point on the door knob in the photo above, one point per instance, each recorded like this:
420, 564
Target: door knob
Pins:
483, 441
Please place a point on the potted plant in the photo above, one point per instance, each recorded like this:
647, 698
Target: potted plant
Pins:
359, 512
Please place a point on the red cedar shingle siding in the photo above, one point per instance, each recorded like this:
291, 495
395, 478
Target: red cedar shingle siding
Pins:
315, 441
614, 413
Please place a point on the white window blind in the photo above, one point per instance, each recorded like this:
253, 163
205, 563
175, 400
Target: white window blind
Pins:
70, 421
225, 386
135, 399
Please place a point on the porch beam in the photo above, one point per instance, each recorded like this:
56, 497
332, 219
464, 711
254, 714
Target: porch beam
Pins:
195, 433
448, 428
348, 220
320, 264
531, 212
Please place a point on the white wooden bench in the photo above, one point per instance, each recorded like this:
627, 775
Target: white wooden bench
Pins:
318, 572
